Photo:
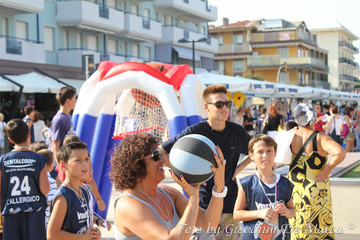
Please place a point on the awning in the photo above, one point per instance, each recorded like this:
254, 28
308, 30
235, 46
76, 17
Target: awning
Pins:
7, 86
36, 83
73, 82
186, 53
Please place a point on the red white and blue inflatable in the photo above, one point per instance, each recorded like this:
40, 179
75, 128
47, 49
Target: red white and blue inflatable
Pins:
94, 115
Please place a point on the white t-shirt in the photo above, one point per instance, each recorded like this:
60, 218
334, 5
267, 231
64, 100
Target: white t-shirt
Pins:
2, 142
39, 128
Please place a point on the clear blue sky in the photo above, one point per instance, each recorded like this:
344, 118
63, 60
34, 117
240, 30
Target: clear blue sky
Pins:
346, 12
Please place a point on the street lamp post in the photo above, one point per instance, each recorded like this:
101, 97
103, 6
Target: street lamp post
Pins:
185, 40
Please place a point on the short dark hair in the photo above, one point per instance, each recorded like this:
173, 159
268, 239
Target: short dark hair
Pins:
66, 150
65, 93
48, 154
127, 162
28, 109
71, 138
17, 130
290, 125
263, 110
212, 89
37, 146
261, 137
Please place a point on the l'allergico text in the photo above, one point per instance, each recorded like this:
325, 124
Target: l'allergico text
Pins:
17, 200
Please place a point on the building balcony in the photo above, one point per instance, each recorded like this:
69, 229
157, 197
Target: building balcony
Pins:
198, 10
238, 48
348, 78
274, 61
348, 61
21, 6
171, 35
281, 36
89, 16
141, 28
347, 45
319, 84
73, 57
23, 50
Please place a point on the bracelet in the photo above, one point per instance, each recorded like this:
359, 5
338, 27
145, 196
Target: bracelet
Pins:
97, 221
220, 195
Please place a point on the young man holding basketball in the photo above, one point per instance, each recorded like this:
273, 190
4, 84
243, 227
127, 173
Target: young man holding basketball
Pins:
232, 140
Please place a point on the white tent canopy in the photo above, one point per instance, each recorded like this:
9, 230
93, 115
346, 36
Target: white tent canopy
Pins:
266, 89
36, 83
7, 86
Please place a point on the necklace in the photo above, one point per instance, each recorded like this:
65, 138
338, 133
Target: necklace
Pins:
262, 187
157, 203
167, 210
83, 203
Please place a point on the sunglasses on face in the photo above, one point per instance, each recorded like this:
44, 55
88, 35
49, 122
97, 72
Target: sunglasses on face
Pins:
156, 155
220, 104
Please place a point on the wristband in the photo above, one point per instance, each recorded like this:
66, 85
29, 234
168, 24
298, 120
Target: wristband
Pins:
220, 195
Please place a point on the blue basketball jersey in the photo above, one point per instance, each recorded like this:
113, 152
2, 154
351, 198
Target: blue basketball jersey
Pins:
78, 214
20, 191
256, 200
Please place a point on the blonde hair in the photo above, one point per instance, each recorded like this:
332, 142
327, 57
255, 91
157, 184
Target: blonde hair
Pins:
1, 117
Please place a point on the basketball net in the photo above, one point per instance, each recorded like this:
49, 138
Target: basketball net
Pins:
136, 112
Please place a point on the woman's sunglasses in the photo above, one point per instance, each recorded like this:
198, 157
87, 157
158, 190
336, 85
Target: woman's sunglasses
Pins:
220, 104
156, 155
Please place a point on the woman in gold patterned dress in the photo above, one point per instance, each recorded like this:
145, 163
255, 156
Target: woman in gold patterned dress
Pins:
309, 173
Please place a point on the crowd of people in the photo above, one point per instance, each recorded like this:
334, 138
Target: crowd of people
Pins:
342, 123
48, 192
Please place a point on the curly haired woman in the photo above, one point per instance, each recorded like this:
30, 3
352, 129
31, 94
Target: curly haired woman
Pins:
146, 210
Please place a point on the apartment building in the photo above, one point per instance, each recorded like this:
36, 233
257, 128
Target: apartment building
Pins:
57, 35
339, 41
273, 49
234, 46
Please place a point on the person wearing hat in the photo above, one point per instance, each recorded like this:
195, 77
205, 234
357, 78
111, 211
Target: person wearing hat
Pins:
309, 172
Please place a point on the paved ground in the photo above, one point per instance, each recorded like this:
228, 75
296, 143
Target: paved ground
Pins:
350, 159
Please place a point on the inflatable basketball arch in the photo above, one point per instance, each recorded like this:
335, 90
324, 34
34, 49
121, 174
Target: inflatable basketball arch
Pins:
127, 98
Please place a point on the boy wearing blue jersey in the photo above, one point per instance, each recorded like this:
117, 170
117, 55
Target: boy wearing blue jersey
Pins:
264, 202
72, 216
24, 184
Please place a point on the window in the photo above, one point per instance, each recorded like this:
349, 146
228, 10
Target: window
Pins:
147, 53
221, 40
283, 52
92, 43
49, 39
168, 20
202, 30
284, 77
111, 3
146, 12
239, 66
135, 9
79, 43
66, 39
221, 67
21, 30
135, 50
5, 26
123, 48
238, 39
112, 46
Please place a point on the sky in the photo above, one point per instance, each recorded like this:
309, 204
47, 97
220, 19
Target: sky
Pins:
346, 12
